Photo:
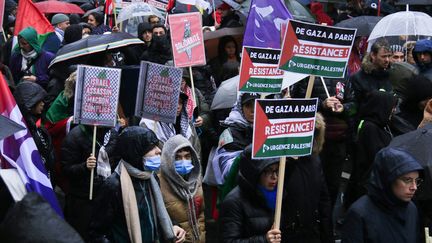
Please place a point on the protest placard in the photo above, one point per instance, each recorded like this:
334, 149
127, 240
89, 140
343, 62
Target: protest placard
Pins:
96, 95
259, 71
316, 49
158, 92
283, 127
187, 39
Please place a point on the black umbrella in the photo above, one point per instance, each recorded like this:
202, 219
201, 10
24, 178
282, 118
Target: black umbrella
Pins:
413, 2
385, 7
94, 44
418, 144
363, 24
8, 127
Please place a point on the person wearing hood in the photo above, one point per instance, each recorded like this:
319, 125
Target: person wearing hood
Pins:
422, 54
29, 97
159, 51
374, 73
373, 134
237, 135
130, 207
183, 125
386, 213
29, 62
54, 40
410, 110
181, 186
247, 212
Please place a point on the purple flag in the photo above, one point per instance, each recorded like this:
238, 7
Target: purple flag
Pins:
19, 151
263, 28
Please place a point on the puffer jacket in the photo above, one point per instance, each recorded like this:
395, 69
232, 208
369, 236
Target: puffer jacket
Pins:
244, 215
380, 216
175, 187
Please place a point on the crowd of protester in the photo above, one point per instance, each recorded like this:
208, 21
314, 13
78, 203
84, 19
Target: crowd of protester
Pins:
195, 180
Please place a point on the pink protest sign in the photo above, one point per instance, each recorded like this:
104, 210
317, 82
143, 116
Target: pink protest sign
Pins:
187, 39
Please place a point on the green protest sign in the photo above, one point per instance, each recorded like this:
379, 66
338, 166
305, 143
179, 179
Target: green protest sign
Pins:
316, 49
259, 71
283, 127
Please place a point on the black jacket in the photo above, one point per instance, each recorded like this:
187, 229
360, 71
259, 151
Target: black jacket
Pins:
76, 148
244, 215
380, 216
306, 206
27, 95
368, 79
373, 135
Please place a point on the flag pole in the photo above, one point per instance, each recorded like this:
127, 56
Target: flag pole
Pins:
92, 170
281, 178
114, 12
193, 85
4, 35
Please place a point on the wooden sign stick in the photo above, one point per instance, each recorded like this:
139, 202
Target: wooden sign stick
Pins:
92, 170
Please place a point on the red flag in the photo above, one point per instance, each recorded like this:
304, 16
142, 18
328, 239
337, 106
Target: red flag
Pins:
109, 7
29, 16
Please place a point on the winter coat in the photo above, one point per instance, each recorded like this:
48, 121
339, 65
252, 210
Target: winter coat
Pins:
159, 50
178, 207
408, 115
380, 216
52, 43
27, 95
76, 148
306, 206
373, 135
368, 79
108, 222
39, 68
425, 69
244, 215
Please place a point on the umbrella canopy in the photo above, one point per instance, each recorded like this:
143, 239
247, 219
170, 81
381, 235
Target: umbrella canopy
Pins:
98, 9
384, 8
363, 24
94, 44
8, 127
413, 2
211, 39
137, 10
58, 7
418, 143
403, 23
226, 95
298, 11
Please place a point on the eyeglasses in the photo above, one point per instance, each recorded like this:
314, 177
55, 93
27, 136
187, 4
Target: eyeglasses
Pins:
411, 181
270, 172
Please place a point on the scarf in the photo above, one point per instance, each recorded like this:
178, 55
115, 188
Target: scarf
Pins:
125, 170
190, 105
27, 57
60, 34
164, 130
186, 190
103, 165
269, 196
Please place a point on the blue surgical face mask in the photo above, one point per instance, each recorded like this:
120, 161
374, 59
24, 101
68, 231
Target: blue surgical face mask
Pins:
183, 167
152, 163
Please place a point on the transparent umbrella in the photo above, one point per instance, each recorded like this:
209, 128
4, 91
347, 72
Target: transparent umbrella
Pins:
137, 10
405, 23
